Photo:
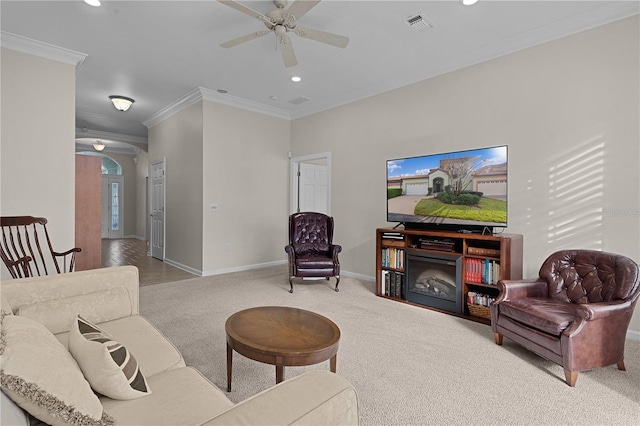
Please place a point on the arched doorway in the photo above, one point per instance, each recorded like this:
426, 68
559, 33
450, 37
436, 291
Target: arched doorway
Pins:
112, 196
438, 185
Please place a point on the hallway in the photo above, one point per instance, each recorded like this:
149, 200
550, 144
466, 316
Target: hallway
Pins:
131, 251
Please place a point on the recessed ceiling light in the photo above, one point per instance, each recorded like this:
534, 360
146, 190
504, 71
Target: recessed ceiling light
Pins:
222, 91
468, 2
95, 3
296, 79
273, 98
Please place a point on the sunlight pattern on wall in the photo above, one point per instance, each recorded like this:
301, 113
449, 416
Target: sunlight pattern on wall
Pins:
576, 191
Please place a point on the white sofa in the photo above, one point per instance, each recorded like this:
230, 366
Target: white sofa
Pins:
180, 395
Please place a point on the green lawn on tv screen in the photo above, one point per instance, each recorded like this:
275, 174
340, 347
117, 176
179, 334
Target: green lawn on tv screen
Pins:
487, 210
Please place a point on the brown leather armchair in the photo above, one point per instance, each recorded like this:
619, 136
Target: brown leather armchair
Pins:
311, 250
575, 314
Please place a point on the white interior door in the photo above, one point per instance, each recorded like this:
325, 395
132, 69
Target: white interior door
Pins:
157, 208
312, 180
112, 206
311, 183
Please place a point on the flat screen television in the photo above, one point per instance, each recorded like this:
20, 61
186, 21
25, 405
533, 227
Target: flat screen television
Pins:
463, 191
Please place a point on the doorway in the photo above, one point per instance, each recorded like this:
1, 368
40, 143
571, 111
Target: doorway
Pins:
311, 183
157, 215
112, 206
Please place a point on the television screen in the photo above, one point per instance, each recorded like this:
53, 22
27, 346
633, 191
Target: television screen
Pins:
454, 190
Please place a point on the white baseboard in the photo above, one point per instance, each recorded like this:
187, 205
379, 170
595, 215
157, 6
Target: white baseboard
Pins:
242, 268
360, 277
183, 267
137, 237
633, 335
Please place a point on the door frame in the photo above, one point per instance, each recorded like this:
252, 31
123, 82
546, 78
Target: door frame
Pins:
294, 193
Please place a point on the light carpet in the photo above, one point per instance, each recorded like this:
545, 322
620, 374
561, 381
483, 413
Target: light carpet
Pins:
410, 366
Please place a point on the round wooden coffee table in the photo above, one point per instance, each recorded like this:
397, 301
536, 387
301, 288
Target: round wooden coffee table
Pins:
281, 336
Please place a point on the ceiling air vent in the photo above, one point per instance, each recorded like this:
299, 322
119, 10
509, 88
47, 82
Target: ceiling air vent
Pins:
418, 23
299, 100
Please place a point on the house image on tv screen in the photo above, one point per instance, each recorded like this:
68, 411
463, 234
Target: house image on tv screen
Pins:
491, 180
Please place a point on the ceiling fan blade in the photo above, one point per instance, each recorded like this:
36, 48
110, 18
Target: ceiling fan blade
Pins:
286, 48
244, 38
299, 7
247, 10
322, 36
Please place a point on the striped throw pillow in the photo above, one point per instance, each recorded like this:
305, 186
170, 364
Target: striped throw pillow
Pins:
107, 365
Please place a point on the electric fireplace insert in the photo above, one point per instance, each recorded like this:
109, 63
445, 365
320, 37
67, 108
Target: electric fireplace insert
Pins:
435, 280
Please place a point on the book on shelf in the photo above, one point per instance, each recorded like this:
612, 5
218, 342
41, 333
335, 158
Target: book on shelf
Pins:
482, 271
479, 299
393, 257
393, 235
480, 251
392, 284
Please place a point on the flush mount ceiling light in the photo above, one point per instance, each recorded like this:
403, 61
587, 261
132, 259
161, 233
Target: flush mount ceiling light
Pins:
95, 3
98, 145
296, 79
122, 103
468, 2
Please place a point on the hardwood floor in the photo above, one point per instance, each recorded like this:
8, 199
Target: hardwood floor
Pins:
131, 251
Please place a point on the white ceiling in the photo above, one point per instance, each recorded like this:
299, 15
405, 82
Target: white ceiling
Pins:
159, 51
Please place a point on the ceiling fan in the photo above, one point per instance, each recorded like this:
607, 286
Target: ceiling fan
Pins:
282, 21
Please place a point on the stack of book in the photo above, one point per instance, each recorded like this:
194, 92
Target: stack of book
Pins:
392, 236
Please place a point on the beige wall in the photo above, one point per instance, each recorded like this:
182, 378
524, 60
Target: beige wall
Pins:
141, 215
178, 139
37, 164
568, 110
246, 175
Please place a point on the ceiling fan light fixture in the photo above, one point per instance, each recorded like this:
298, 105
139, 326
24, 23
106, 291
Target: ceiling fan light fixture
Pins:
98, 145
121, 103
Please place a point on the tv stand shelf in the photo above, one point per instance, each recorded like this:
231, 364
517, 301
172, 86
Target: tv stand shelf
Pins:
485, 259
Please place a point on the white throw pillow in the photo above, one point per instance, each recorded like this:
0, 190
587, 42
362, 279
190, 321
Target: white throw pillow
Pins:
40, 375
107, 364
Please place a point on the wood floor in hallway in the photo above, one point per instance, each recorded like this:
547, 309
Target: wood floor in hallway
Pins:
131, 251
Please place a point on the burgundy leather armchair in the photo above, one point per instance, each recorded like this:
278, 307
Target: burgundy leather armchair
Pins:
575, 314
311, 250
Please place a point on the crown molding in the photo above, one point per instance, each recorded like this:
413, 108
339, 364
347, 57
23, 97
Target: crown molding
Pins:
200, 93
43, 50
234, 101
186, 101
88, 147
98, 134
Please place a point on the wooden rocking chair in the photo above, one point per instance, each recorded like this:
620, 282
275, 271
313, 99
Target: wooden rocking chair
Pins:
21, 252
